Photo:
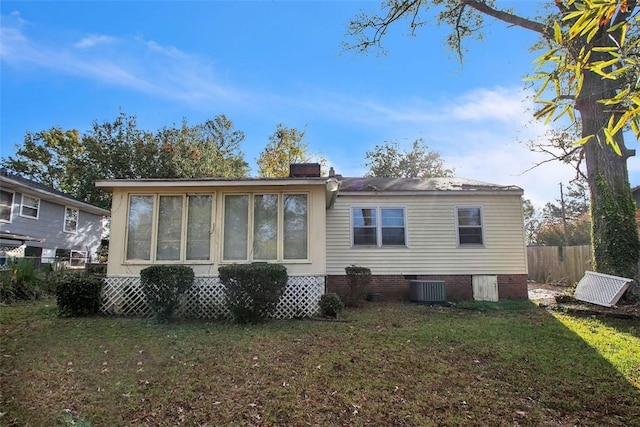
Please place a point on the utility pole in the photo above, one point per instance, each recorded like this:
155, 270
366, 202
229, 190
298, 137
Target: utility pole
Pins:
564, 218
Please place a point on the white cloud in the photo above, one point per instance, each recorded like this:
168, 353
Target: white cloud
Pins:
94, 40
477, 133
140, 65
499, 104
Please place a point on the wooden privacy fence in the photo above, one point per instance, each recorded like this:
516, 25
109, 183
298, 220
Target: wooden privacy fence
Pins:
558, 264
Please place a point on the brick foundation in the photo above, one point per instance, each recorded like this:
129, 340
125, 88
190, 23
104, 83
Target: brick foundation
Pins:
459, 287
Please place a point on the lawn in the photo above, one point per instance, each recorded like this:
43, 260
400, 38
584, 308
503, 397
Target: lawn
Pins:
383, 364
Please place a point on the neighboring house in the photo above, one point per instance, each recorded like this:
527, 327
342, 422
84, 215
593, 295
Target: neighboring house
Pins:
41, 222
467, 233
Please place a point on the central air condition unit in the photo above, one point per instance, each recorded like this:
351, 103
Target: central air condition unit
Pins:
428, 291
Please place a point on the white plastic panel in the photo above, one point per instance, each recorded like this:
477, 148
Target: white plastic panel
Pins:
601, 289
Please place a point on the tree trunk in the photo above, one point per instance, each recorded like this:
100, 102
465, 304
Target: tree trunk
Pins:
616, 248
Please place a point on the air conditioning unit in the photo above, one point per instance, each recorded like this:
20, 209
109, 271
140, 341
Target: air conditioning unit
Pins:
428, 291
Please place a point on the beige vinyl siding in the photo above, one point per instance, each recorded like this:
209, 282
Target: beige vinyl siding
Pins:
431, 237
314, 265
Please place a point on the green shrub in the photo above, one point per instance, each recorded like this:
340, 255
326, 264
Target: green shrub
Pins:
253, 291
78, 294
331, 305
19, 281
358, 282
6, 287
163, 285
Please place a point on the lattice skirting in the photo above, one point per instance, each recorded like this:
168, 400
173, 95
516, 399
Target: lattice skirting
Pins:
205, 299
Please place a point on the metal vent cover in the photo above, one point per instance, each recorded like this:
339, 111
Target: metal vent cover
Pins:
428, 291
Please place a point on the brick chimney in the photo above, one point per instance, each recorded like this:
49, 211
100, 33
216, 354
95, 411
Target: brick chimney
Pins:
304, 170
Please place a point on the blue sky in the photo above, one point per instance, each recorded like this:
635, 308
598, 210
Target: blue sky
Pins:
262, 63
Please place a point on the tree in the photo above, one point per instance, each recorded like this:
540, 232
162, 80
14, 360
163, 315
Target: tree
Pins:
551, 232
532, 221
44, 156
388, 160
583, 37
286, 146
71, 162
208, 149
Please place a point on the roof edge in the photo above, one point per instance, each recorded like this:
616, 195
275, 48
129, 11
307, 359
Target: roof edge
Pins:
261, 182
509, 191
56, 196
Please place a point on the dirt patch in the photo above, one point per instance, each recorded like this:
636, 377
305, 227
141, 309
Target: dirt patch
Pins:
544, 291
559, 298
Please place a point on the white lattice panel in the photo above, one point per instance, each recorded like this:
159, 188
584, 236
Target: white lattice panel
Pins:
205, 299
601, 289
124, 296
301, 297
13, 251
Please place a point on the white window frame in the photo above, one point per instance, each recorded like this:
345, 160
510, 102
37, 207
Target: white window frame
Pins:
280, 227
64, 222
379, 226
13, 200
155, 217
82, 258
35, 207
458, 226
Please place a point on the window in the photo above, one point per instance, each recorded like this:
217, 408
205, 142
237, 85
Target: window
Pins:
30, 207
469, 224
378, 226
6, 206
140, 228
183, 230
265, 226
169, 228
199, 218
77, 258
70, 220
295, 226
236, 224
274, 226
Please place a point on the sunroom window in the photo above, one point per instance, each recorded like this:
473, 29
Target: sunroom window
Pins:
182, 231
273, 225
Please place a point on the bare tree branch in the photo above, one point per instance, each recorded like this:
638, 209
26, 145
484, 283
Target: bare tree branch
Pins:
510, 18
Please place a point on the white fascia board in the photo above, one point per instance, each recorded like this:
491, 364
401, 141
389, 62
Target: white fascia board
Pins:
513, 192
111, 184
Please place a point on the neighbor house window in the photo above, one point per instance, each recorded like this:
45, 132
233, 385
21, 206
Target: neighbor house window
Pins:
378, 226
77, 258
6, 206
182, 230
265, 227
70, 220
469, 225
30, 207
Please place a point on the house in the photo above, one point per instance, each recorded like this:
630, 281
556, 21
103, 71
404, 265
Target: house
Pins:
46, 224
466, 233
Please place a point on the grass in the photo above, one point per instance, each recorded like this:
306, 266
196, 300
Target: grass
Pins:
385, 364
